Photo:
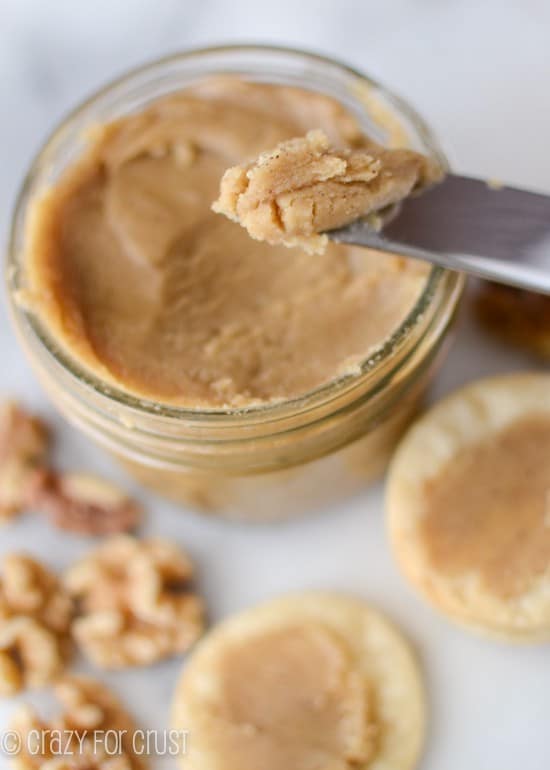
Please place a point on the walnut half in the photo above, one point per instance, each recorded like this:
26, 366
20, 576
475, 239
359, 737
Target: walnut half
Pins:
135, 602
90, 712
521, 318
24, 442
35, 619
84, 503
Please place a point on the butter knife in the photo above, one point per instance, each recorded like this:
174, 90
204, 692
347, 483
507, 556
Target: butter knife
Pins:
470, 225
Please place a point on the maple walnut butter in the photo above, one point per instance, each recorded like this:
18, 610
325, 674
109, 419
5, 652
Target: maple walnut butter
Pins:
141, 282
488, 509
291, 698
295, 192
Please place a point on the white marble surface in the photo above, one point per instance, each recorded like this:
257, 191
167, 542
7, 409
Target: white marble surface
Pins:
480, 72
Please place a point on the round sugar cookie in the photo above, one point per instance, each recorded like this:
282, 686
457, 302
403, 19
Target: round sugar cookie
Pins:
468, 503
310, 680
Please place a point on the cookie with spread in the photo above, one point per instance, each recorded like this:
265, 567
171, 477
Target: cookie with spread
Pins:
468, 503
309, 680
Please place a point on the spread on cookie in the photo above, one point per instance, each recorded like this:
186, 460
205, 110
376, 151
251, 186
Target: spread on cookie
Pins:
140, 282
297, 691
487, 509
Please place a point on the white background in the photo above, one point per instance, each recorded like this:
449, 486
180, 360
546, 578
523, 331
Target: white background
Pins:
480, 73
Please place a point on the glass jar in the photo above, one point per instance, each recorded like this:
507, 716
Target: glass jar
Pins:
264, 461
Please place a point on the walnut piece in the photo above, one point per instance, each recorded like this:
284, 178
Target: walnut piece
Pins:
135, 602
84, 503
519, 317
89, 712
24, 442
35, 619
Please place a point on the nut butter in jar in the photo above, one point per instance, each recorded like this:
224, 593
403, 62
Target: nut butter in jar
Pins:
237, 378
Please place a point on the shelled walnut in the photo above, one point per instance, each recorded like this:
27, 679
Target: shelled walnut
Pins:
24, 441
92, 732
136, 603
84, 503
35, 618
519, 317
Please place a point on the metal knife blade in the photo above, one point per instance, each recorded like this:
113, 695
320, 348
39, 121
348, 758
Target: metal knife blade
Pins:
496, 232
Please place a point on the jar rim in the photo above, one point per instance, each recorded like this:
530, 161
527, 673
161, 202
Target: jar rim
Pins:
272, 410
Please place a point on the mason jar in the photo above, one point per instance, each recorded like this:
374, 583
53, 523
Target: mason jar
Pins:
265, 461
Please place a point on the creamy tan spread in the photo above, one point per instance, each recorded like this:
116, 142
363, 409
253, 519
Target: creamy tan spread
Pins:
295, 192
488, 510
142, 283
290, 698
